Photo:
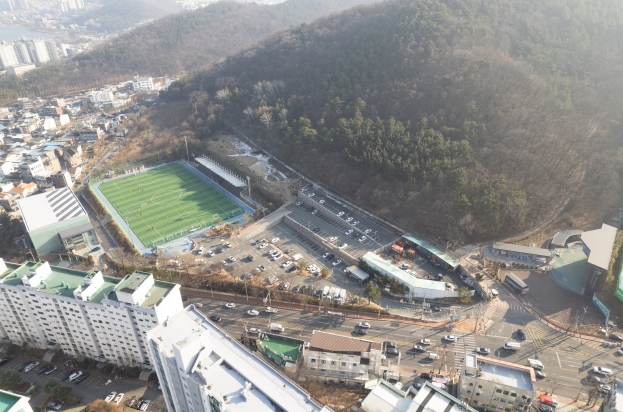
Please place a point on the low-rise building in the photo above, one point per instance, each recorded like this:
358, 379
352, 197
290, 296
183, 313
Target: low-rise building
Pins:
496, 385
91, 134
201, 368
386, 397
12, 402
84, 313
51, 111
24, 190
142, 84
49, 123
342, 359
9, 201
31, 168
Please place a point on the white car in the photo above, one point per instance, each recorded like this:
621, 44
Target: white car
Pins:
270, 310
227, 244
252, 312
274, 240
450, 338
286, 263
337, 262
277, 256
326, 255
404, 266
340, 213
348, 232
200, 250
368, 231
311, 194
348, 219
110, 397
210, 253
602, 371
231, 259
356, 222
342, 246
362, 239
425, 342
482, 351
605, 388
365, 325
254, 330
298, 203
199, 305
263, 245
321, 201
332, 239
230, 305
273, 252
620, 351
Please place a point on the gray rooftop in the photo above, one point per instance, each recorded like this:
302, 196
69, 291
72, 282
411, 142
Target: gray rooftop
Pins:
560, 238
522, 249
85, 227
600, 242
516, 376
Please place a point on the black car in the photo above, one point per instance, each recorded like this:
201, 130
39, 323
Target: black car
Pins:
81, 378
291, 269
616, 336
24, 365
5, 361
296, 289
392, 352
96, 249
389, 344
68, 374
43, 369
539, 374
546, 408
427, 376
435, 308
360, 331
317, 230
215, 318
521, 335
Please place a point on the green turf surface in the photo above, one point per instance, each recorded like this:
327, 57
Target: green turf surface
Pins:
166, 203
283, 347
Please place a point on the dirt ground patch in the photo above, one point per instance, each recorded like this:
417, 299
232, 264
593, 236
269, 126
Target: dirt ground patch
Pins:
553, 301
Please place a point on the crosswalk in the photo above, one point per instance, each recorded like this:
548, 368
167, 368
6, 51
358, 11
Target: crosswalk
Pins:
465, 344
512, 306
490, 311
543, 337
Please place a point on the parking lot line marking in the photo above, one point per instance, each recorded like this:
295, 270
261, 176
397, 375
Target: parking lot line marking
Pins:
557, 357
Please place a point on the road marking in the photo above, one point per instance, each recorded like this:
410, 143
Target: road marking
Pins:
557, 357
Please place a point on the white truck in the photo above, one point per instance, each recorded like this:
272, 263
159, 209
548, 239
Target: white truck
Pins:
296, 257
325, 292
342, 298
336, 293
331, 293
276, 327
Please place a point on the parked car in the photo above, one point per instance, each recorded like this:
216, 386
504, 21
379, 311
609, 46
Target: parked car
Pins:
435, 308
348, 232
299, 203
198, 304
144, 405
286, 263
604, 388
81, 378
389, 344
337, 262
521, 335
342, 245
42, 369
367, 231
55, 405
419, 349
230, 305
31, 366
616, 336
427, 376
5, 361
66, 375
450, 338
74, 376
24, 366
215, 318
50, 370
539, 374
296, 289
546, 408
291, 269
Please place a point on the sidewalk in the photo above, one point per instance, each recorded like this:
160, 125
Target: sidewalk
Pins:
228, 297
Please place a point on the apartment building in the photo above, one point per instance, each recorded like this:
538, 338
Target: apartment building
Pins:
8, 57
38, 51
496, 385
142, 84
101, 96
201, 368
12, 402
342, 359
613, 401
31, 168
84, 313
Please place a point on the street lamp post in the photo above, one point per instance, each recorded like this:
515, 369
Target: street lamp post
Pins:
211, 290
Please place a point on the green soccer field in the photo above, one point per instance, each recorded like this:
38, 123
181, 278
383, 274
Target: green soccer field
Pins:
167, 203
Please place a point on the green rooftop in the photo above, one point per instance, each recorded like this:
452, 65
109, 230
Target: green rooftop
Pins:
8, 400
63, 281
130, 283
282, 347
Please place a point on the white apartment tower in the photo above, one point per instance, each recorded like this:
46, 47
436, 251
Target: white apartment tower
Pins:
201, 368
38, 51
84, 313
22, 53
142, 84
8, 57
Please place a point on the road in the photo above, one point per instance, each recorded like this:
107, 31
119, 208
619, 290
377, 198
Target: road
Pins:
566, 359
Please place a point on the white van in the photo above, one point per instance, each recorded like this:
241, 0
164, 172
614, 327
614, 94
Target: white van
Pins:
514, 346
276, 327
74, 376
535, 364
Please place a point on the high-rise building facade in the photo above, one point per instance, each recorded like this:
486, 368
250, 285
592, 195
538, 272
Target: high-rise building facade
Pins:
8, 57
84, 313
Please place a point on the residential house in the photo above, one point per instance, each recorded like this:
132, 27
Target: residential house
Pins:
91, 134
142, 84
24, 190
342, 359
72, 155
8, 201
30, 168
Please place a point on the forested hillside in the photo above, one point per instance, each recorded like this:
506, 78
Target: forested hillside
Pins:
176, 43
475, 116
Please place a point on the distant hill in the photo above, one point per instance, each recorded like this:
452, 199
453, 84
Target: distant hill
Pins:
176, 43
118, 15
466, 117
